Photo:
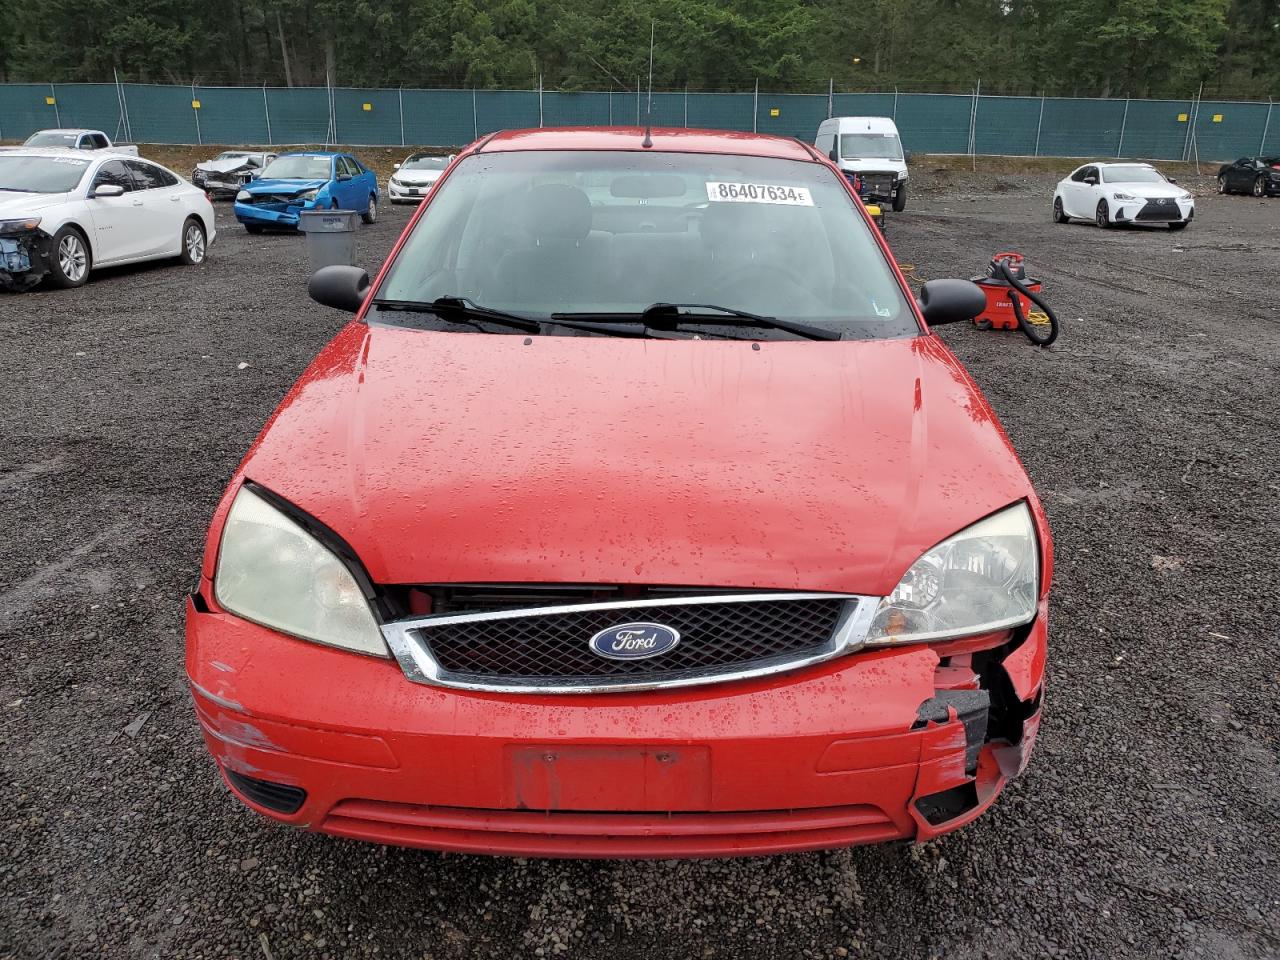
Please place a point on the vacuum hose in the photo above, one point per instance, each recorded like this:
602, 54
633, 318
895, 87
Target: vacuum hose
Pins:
1032, 330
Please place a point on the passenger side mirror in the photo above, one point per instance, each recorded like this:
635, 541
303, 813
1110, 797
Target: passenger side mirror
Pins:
947, 301
107, 190
1172, 179
1091, 180
339, 286
395, 166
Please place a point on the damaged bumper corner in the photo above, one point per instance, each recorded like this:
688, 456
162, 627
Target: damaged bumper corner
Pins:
25, 258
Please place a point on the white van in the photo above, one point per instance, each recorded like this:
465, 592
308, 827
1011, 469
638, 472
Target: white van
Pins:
871, 148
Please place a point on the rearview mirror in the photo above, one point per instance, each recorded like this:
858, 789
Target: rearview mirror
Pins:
339, 286
946, 301
107, 190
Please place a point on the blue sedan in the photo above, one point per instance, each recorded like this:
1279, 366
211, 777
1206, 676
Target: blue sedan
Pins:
294, 182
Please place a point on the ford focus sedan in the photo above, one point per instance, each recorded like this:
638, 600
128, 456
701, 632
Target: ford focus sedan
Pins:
294, 182
633, 514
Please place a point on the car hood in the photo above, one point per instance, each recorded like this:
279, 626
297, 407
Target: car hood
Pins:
446, 457
284, 186
223, 166
17, 205
1147, 191
420, 177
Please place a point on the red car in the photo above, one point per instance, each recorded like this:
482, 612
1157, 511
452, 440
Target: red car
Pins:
637, 513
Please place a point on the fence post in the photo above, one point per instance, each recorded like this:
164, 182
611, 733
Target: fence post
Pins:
611, 104
1039, 123
57, 114
831, 97
475, 115
266, 112
973, 125
637, 99
1123, 122
539, 100
686, 106
895, 103
196, 113
121, 122
400, 95
1191, 125
755, 108
1262, 144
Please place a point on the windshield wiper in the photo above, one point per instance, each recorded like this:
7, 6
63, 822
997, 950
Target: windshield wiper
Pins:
460, 307
467, 312
679, 312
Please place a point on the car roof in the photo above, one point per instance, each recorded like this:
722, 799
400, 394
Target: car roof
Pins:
874, 124
1117, 163
664, 140
312, 153
76, 130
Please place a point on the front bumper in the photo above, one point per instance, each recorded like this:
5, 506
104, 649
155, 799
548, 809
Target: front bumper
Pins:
276, 215
408, 194
220, 188
875, 746
25, 258
1138, 211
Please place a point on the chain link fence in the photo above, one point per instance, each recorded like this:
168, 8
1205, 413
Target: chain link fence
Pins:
929, 122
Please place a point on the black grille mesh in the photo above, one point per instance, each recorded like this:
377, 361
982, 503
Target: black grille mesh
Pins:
556, 646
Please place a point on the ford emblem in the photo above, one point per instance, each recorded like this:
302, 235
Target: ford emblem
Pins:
634, 641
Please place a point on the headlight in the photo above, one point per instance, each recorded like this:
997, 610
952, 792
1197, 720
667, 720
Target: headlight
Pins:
307, 195
243, 195
1118, 195
19, 226
985, 578
1184, 196
396, 183
273, 572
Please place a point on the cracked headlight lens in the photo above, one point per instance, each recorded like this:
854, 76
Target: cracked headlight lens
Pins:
986, 577
306, 195
273, 572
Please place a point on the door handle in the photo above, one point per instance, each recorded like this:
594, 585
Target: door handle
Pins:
137, 203
174, 199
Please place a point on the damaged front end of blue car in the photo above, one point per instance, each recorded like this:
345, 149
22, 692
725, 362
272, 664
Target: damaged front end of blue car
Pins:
25, 252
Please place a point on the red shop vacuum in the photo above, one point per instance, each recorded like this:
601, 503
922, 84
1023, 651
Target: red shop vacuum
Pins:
1014, 302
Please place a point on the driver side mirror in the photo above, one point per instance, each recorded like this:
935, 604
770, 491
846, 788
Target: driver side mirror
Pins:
344, 177
947, 301
1172, 179
339, 286
395, 166
1091, 180
906, 156
106, 190
835, 157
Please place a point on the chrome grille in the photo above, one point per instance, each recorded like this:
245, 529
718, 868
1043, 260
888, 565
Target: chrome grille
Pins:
547, 649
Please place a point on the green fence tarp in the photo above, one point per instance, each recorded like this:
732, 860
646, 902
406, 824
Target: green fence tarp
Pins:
929, 123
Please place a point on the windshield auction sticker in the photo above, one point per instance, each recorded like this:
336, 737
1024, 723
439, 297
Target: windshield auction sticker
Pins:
720, 192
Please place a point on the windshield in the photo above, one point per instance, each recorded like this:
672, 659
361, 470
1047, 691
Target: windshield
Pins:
541, 232
1134, 174
232, 155
870, 146
41, 174
425, 163
52, 138
297, 167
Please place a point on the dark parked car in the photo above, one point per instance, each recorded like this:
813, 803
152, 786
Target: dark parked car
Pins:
1257, 175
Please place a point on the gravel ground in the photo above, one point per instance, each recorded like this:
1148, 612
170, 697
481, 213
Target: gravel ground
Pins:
1146, 826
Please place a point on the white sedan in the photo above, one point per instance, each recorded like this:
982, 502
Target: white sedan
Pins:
1111, 193
64, 213
415, 177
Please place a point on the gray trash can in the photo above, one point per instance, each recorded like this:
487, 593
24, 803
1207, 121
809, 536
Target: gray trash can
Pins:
331, 236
